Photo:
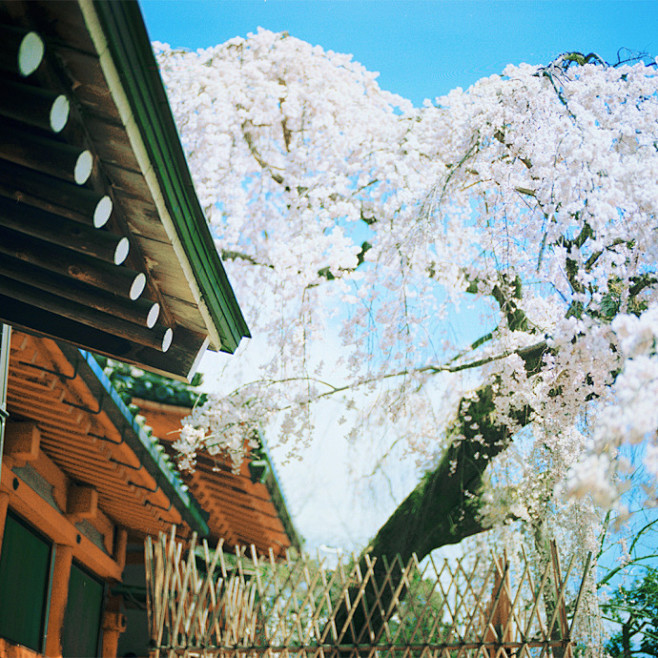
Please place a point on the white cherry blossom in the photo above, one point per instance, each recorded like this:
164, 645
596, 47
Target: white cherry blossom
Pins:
340, 209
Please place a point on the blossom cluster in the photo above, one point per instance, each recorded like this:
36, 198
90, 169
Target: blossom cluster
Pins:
342, 210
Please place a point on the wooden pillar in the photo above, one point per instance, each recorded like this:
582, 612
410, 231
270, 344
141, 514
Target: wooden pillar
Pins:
58, 596
4, 502
114, 623
120, 547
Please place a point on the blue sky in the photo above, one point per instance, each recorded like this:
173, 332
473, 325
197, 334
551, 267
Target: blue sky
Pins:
422, 48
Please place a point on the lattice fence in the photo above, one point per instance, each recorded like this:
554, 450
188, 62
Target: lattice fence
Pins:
204, 602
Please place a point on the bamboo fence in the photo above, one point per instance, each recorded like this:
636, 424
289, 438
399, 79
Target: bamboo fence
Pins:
204, 602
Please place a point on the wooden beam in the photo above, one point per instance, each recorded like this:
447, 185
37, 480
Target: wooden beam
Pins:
82, 503
52, 157
54, 195
22, 441
21, 52
142, 312
121, 543
121, 281
178, 362
66, 233
50, 522
29, 318
34, 106
59, 592
54, 475
158, 337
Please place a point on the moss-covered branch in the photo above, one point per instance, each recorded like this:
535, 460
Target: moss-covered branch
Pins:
444, 507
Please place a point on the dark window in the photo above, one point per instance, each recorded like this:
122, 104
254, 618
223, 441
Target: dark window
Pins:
24, 577
82, 619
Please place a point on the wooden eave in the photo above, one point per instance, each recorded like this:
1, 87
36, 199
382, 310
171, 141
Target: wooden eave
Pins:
63, 282
241, 511
91, 437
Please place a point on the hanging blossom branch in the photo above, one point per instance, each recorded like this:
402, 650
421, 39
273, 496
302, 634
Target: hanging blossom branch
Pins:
542, 179
529, 352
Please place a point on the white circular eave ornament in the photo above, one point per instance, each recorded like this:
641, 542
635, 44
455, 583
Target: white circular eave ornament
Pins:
167, 339
30, 53
83, 166
121, 251
153, 315
102, 212
59, 113
138, 285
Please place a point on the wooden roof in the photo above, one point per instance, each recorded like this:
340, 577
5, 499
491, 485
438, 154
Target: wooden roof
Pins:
89, 435
79, 186
85, 433
242, 509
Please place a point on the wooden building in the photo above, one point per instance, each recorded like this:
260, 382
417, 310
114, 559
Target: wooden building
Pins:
103, 249
80, 480
244, 508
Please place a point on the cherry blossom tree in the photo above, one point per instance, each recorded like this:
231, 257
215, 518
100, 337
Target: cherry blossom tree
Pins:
342, 210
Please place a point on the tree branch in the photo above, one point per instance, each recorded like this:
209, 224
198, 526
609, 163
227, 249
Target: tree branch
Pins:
228, 254
532, 356
277, 178
444, 508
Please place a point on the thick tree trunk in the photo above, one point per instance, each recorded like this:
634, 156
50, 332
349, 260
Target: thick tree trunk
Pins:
626, 639
443, 509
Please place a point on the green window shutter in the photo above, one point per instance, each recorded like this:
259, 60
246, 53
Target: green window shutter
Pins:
24, 577
82, 619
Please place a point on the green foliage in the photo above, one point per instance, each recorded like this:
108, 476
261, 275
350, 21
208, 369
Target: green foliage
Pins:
635, 610
611, 302
420, 616
259, 462
131, 382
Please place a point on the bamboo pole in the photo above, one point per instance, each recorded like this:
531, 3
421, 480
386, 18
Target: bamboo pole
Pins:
581, 590
559, 614
183, 587
207, 591
149, 567
312, 586
555, 559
